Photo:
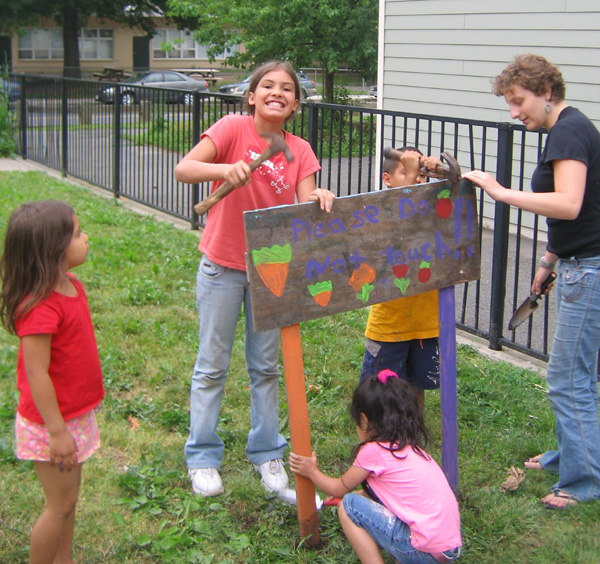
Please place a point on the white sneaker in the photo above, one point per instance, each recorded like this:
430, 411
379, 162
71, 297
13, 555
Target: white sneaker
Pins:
273, 475
206, 481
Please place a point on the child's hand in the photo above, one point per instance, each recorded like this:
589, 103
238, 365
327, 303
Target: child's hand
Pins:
238, 174
305, 466
410, 160
63, 450
324, 197
429, 167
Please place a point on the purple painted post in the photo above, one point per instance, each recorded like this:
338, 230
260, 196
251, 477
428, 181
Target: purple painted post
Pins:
448, 386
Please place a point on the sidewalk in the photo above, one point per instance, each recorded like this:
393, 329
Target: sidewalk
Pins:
18, 164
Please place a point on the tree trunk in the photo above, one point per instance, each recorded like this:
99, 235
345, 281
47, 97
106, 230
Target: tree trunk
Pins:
71, 68
328, 83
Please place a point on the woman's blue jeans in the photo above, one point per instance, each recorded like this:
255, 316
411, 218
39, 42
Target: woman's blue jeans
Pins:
572, 380
220, 293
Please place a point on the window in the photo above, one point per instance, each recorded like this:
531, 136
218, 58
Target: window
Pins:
48, 44
96, 43
41, 44
177, 44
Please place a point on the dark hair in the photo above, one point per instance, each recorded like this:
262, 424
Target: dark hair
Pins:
389, 162
35, 246
266, 68
534, 73
392, 411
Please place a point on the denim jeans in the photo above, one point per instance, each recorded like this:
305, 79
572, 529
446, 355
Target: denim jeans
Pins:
572, 380
389, 532
220, 293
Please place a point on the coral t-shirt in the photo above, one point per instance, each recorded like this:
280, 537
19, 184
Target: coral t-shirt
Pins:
415, 489
74, 362
273, 184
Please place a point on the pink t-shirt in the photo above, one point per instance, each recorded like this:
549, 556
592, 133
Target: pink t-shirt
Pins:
74, 362
273, 184
415, 489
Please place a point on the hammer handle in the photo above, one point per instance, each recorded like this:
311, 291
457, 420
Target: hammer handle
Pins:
219, 193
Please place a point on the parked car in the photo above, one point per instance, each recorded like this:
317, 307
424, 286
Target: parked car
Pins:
131, 94
307, 86
372, 91
10, 89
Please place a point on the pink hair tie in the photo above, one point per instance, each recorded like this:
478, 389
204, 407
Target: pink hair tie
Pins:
385, 374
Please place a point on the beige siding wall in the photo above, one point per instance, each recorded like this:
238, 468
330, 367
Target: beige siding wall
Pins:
122, 53
437, 57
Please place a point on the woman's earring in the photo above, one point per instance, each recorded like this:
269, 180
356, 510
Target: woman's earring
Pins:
547, 107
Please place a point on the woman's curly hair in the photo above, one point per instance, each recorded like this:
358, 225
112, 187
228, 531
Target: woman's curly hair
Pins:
534, 73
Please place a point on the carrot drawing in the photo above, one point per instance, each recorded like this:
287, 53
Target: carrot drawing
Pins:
321, 292
272, 265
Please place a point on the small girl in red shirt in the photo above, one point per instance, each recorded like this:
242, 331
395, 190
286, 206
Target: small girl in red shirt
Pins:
58, 368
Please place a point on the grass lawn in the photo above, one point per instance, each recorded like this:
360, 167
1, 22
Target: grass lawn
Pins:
136, 505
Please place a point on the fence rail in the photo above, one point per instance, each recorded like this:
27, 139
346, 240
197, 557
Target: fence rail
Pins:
131, 149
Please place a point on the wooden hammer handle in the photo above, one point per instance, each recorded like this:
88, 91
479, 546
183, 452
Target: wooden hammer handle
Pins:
219, 193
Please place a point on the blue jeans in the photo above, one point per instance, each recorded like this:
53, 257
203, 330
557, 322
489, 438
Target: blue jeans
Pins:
389, 532
220, 293
572, 380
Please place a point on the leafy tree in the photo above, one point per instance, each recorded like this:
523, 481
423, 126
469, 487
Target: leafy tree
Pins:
325, 33
72, 15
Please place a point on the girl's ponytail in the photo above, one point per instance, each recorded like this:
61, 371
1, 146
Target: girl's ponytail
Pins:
391, 408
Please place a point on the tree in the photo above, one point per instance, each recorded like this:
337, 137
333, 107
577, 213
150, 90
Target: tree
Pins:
72, 15
326, 33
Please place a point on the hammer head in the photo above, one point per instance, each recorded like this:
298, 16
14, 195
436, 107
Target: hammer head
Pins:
278, 145
452, 173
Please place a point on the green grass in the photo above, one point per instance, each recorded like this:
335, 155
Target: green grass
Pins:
136, 505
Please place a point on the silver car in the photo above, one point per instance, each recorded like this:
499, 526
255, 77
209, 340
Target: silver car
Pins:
181, 88
307, 86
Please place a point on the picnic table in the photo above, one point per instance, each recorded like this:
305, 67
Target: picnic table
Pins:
112, 74
206, 73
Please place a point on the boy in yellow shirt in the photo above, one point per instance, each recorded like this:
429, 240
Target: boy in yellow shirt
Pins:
403, 335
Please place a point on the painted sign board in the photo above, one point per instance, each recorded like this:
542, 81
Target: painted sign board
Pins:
304, 263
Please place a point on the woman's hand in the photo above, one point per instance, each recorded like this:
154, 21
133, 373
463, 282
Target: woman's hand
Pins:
489, 184
539, 278
324, 197
63, 450
305, 466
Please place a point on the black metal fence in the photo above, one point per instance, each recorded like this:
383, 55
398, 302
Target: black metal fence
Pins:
131, 149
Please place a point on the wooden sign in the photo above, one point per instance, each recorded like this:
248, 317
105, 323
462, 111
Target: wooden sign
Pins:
304, 263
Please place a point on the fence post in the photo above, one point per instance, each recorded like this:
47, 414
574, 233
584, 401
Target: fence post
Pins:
313, 127
65, 128
195, 139
501, 230
23, 123
116, 180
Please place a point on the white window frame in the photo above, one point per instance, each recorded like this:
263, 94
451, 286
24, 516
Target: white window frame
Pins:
47, 44
96, 44
184, 46
41, 44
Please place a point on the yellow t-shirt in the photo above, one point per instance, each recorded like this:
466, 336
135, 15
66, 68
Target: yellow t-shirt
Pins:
405, 319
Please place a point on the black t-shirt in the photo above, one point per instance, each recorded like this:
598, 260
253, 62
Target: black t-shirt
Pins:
573, 136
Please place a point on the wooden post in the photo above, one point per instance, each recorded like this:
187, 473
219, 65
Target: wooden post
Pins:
448, 386
293, 366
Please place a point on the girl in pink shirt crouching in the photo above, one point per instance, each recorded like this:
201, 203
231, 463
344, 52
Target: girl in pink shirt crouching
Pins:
406, 506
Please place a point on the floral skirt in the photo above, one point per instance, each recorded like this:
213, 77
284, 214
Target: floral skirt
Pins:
33, 440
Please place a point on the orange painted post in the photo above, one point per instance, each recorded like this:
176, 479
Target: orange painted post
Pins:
293, 366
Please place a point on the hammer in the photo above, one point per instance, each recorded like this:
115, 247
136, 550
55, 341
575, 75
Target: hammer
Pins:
451, 171
277, 145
